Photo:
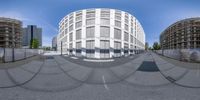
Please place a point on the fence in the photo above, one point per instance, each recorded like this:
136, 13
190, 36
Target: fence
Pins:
15, 54
189, 55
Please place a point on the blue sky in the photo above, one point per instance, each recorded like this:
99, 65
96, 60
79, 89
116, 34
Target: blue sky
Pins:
154, 15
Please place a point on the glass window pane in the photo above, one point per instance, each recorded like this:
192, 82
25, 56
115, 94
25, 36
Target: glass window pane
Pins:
104, 31
126, 27
104, 44
90, 32
131, 39
90, 21
90, 44
70, 37
90, 14
70, 46
117, 45
70, 28
78, 34
105, 21
78, 45
117, 34
78, 24
118, 23
105, 13
126, 37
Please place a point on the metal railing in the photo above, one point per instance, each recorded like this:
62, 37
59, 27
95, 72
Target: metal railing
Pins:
187, 55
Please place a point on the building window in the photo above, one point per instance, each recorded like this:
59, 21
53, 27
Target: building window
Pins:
135, 40
66, 20
131, 39
126, 18
70, 28
117, 45
117, 23
104, 44
70, 46
117, 34
78, 48
71, 19
90, 21
78, 34
126, 36
118, 15
78, 24
90, 14
105, 13
65, 39
78, 45
104, 48
132, 30
125, 48
126, 27
66, 31
66, 25
78, 16
90, 44
105, 21
117, 48
70, 37
90, 31
104, 31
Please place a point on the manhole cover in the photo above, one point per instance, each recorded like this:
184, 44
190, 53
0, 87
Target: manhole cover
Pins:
148, 66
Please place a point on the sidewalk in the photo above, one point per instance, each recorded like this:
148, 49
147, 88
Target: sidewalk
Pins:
19, 63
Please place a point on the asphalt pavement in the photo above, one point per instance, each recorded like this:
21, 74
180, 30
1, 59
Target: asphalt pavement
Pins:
146, 76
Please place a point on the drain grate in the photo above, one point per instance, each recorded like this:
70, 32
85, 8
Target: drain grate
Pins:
148, 66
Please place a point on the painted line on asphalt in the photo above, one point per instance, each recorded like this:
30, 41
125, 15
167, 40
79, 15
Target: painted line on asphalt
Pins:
98, 60
74, 57
104, 82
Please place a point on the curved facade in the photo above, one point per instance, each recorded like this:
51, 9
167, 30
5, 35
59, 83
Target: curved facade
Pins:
100, 33
10, 33
184, 34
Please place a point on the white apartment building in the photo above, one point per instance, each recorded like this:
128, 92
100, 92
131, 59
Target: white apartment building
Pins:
100, 33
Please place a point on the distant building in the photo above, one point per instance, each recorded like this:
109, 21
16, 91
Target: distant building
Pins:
31, 32
184, 34
10, 33
54, 43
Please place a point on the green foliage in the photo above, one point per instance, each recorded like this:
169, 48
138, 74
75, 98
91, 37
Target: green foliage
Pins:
46, 48
34, 44
156, 46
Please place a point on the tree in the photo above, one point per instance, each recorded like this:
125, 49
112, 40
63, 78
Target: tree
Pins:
156, 46
146, 46
34, 44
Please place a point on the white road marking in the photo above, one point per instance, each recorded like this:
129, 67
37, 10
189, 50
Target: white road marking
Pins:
74, 57
98, 60
104, 82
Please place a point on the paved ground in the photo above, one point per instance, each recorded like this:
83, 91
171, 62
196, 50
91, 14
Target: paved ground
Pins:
146, 76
